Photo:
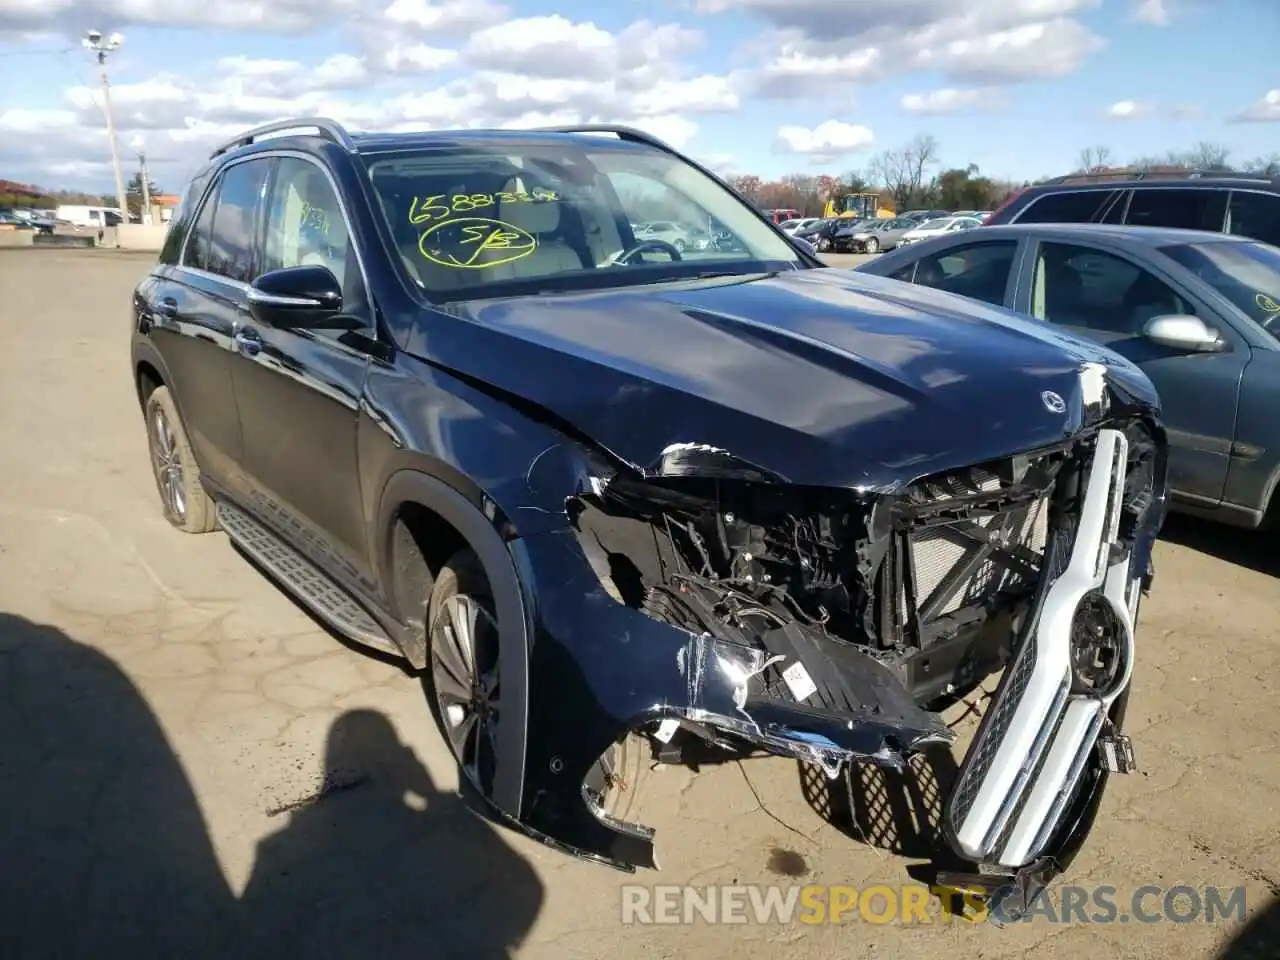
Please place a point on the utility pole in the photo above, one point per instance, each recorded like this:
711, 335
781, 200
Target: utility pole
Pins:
93, 41
146, 187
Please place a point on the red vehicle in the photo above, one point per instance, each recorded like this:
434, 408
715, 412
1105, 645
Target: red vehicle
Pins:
782, 215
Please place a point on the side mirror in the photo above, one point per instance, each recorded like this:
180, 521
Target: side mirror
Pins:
296, 298
1183, 332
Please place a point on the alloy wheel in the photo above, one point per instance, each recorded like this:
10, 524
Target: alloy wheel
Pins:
168, 465
464, 670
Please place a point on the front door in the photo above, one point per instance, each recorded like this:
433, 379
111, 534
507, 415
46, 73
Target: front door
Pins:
298, 391
1105, 296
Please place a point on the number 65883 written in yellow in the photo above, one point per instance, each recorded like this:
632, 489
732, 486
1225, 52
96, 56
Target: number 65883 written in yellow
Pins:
442, 206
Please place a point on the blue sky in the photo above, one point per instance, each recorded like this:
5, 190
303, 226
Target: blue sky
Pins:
1018, 87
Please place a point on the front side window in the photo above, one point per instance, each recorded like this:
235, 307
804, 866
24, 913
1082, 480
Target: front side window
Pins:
508, 217
305, 224
1247, 274
1079, 286
976, 270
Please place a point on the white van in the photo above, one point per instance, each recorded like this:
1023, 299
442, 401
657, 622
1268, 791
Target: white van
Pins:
82, 216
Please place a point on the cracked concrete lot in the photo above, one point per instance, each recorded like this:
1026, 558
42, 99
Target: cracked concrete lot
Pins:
191, 766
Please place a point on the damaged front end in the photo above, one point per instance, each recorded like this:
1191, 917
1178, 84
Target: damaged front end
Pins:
822, 624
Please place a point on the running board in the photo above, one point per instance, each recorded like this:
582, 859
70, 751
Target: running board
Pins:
1044, 725
302, 578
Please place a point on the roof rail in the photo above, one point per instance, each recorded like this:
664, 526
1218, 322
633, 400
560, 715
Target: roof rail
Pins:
621, 132
1106, 175
329, 129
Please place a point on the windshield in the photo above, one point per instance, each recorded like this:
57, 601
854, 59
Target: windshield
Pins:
1247, 274
509, 217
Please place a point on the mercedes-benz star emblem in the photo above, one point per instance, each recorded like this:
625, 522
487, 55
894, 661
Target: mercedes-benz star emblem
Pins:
1053, 402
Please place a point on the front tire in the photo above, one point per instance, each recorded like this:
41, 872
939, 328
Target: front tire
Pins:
186, 506
871, 246
462, 659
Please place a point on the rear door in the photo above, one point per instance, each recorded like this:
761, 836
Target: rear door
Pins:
197, 304
1105, 295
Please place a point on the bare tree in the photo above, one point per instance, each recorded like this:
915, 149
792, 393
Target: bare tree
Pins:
1095, 159
902, 171
1206, 155
1268, 166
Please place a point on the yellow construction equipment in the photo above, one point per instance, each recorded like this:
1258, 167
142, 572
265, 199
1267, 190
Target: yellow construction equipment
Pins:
867, 206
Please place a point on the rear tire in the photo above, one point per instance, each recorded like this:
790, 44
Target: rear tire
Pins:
186, 506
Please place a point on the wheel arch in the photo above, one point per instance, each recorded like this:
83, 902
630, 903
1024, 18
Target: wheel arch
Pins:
413, 490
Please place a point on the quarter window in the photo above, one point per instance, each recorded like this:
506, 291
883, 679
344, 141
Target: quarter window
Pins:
1079, 286
976, 270
1069, 206
197, 254
305, 225
1255, 215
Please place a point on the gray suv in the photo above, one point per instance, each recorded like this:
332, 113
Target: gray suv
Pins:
1243, 204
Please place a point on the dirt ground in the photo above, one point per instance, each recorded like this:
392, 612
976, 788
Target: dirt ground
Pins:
190, 765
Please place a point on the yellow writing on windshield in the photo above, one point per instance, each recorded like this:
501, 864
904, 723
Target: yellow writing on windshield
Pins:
442, 205
474, 243
1266, 304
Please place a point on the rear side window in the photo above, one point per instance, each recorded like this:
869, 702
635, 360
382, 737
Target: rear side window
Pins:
232, 250
1201, 209
1069, 206
1255, 215
976, 270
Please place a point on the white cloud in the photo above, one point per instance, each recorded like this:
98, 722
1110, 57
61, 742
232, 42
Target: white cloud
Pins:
267, 16
826, 141
1129, 110
951, 100
545, 71
1154, 12
1266, 110
831, 44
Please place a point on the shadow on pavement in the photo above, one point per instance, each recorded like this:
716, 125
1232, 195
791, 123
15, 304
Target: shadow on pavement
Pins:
1259, 939
1255, 549
104, 850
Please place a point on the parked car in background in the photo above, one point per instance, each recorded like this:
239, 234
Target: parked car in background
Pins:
820, 233
1243, 204
919, 216
1198, 312
792, 226
938, 227
605, 497
80, 215
874, 236
678, 235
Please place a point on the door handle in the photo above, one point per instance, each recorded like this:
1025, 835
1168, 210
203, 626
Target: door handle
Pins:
248, 342
168, 307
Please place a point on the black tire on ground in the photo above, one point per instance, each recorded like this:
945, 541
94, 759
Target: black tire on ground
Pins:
186, 506
471, 736
871, 246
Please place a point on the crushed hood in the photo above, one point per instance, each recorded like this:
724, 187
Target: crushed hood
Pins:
819, 377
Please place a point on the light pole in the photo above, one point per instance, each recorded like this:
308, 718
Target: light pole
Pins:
140, 145
93, 41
